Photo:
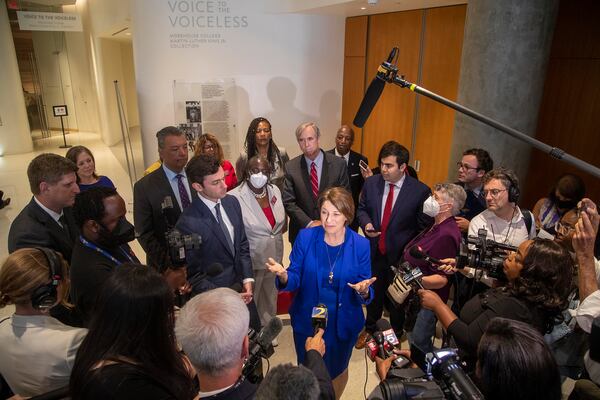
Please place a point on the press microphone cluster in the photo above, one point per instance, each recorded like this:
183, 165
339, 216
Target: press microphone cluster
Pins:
383, 343
406, 278
418, 253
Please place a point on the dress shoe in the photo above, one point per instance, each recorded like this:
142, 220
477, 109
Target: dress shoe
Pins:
362, 340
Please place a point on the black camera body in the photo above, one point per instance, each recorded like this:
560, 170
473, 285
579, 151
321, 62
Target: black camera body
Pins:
487, 255
443, 378
177, 243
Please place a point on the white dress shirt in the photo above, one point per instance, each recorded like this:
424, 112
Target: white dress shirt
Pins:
55, 216
174, 182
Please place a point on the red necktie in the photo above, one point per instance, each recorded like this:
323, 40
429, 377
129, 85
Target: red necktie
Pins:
314, 181
387, 213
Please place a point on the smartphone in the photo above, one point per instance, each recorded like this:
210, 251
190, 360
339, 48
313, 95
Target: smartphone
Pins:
371, 231
363, 165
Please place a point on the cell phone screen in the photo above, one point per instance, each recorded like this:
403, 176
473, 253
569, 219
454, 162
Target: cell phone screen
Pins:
363, 165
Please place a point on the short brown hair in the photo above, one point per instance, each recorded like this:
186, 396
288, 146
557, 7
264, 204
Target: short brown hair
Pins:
209, 137
49, 168
341, 199
24, 271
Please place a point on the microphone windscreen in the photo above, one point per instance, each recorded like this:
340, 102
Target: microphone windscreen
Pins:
383, 325
214, 269
415, 252
269, 332
368, 103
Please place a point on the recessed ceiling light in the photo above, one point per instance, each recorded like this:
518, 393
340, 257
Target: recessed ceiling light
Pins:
128, 33
363, 8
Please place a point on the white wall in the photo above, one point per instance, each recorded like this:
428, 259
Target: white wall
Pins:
287, 67
15, 136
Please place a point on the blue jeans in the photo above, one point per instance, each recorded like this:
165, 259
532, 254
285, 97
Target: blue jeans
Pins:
423, 330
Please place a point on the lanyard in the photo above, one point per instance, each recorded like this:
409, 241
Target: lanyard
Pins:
104, 252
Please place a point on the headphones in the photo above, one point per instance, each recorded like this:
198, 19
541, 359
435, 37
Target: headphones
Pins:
45, 296
513, 191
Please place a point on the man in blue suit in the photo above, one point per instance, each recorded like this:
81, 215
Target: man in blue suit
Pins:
390, 212
217, 218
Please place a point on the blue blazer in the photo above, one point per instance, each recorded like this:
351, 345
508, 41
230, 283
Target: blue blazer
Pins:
197, 218
304, 277
407, 217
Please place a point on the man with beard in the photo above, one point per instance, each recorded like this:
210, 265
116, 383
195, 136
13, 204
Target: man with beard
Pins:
102, 246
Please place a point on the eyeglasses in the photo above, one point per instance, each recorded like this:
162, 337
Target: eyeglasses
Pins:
563, 229
265, 130
208, 147
466, 167
493, 192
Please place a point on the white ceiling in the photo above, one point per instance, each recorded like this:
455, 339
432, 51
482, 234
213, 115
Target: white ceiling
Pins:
351, 8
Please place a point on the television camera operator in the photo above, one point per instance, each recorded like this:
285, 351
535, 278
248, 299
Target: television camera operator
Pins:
539, 278
513, 362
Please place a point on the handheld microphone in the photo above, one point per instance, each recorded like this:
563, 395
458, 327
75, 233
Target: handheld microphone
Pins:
385, 338
418, 253
169, 212
211, 271
319, 317
375, 89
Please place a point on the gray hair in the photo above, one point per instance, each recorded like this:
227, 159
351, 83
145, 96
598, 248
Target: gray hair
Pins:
305, 125
288, 382
211, 329
452, 193
166, 131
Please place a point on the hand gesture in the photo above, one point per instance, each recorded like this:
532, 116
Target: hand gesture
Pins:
362, 287
429, 299
316, 343
586, 230
277, 269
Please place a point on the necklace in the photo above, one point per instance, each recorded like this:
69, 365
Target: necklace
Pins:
260, 195
332, 266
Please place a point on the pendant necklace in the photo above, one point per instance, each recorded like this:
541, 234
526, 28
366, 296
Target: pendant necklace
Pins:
332, 266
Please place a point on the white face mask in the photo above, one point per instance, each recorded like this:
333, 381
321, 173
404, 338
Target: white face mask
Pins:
431, 207
258, 180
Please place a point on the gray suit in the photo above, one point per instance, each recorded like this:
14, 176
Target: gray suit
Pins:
264, 242
298, 200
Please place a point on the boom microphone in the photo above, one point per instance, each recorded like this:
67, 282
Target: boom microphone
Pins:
418, 253
374, 90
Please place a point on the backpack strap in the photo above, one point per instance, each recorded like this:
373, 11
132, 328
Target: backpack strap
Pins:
528, 218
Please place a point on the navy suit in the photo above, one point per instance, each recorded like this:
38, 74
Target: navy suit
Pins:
406, 221
197, 218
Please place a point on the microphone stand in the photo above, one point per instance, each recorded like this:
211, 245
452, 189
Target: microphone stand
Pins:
389, 73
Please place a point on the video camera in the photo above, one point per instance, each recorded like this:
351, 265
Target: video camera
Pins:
260, 346
443, 379
177, 243
487, 254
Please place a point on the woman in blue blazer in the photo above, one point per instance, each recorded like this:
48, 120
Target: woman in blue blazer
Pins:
331, 265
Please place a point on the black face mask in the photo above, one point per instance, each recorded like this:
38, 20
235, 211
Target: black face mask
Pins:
566, 204
123, 233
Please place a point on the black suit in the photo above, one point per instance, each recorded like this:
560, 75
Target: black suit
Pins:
356, 179
150, 226
34, 227
406, 221
298, 199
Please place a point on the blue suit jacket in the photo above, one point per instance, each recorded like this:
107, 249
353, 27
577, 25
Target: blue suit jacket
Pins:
197, 218
304, 277
407, 217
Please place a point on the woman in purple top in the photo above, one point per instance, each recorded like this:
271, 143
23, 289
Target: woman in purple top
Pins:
86, 169
442, 240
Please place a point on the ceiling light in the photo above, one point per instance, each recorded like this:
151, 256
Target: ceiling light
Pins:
363, 8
